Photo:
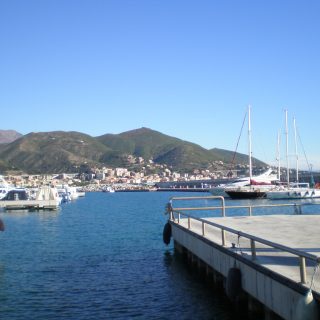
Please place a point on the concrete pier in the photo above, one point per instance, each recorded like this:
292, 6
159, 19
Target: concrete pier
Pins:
277, 256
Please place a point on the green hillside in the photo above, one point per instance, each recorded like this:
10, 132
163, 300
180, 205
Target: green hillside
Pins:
237, 158
53, 152
60, 151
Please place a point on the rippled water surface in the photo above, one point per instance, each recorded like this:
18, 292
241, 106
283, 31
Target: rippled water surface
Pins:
100, 257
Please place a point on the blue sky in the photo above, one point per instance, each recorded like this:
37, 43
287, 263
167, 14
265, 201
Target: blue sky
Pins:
185, 68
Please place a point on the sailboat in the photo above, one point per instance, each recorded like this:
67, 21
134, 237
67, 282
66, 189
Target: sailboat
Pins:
293, 190
266, 178
256, 187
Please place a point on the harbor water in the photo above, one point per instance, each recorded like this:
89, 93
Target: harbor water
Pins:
100, 257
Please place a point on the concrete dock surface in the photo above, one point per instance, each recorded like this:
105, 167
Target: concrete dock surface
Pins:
299, 232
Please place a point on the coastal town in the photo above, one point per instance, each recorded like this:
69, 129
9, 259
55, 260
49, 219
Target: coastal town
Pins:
146, 175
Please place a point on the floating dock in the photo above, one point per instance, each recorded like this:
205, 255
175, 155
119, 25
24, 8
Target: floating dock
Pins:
272, 260
29, 204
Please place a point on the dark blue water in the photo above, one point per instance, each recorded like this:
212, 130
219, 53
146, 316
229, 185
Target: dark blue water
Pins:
100, 257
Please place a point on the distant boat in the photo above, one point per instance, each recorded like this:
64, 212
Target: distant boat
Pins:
108, 189
256, 187
4, 187
246, 192
295, 190
266, 178
81, 193
46, 198
16, 195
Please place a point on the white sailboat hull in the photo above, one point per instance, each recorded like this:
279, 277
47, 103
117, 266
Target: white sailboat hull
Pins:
298, 193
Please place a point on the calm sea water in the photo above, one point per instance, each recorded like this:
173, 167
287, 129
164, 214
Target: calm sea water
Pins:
100, 257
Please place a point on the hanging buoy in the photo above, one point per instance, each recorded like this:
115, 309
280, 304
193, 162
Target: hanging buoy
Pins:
167, 233
1, 225
306, 308
233, 285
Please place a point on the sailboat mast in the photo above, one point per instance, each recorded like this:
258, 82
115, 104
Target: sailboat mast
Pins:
296, 149
250, 147
278, 156
287, 147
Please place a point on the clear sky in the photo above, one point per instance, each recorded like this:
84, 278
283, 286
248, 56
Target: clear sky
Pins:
185, 68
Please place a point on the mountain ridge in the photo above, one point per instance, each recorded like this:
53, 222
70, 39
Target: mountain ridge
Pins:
67, 151
8, 136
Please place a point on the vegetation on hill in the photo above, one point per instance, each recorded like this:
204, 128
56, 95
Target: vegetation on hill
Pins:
61, 151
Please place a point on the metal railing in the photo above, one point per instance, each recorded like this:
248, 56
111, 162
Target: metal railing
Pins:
253, 239
223, 207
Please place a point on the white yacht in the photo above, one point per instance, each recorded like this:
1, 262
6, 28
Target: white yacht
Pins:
295, 190
4, 187
264, 179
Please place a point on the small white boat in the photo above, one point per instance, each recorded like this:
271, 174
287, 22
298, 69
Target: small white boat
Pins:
108, 189
72, 192
46, 198
4, 187
81, 193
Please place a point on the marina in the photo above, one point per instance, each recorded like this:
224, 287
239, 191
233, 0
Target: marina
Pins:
276, 256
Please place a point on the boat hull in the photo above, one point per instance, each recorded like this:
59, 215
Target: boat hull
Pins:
293, 194
245, 194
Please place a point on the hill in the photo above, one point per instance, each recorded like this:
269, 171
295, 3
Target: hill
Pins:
52, 152
7, 136
162, 149
60, 151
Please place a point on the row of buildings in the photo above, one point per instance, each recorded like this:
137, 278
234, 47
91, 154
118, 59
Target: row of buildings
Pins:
111, 176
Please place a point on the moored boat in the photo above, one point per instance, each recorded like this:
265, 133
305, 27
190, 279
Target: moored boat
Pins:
46, 198
256, 186
248, 192
263, 180
295, 190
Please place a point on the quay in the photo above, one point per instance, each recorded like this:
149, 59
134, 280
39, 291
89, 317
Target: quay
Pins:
268, 262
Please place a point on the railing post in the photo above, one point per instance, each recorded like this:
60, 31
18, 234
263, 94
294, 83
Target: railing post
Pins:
203, 228
189, 223
250, 211
253, 250
223, 236
303, 274
223, 207
179, 218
